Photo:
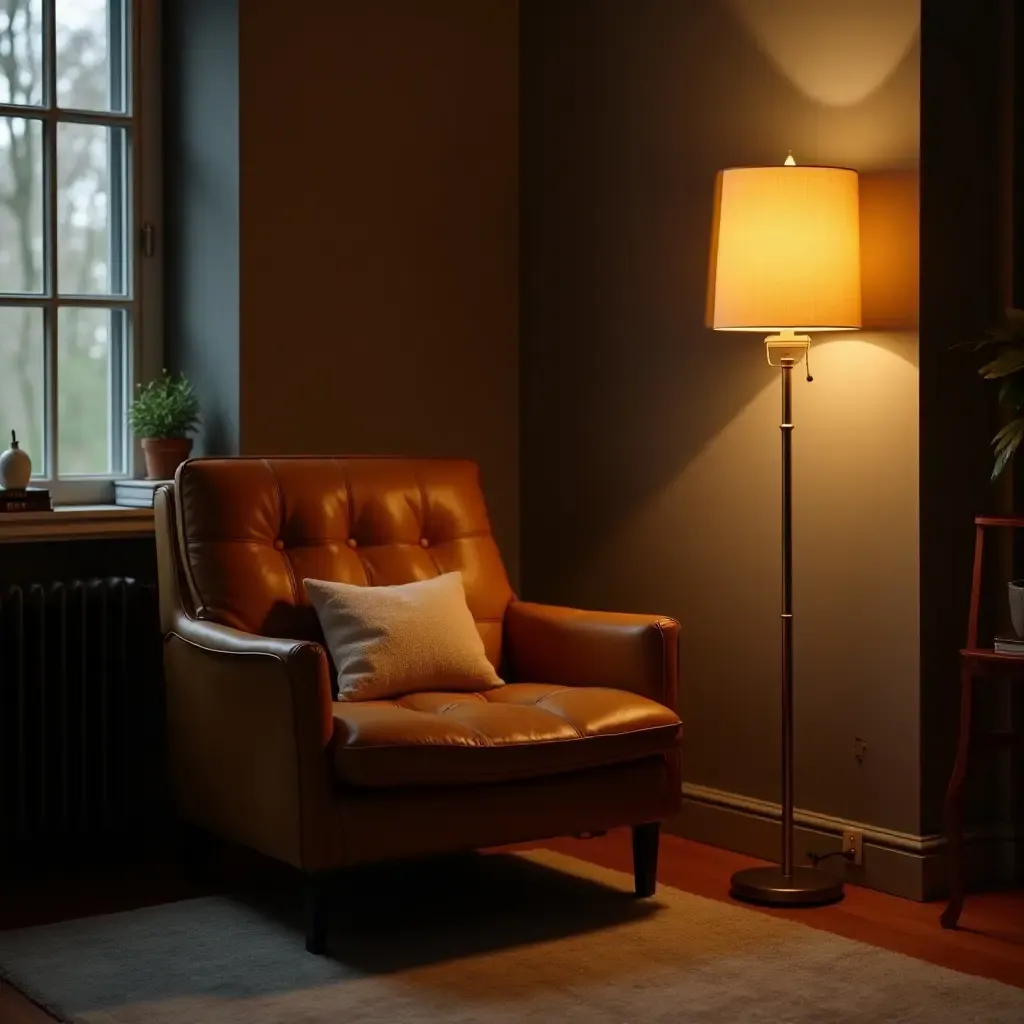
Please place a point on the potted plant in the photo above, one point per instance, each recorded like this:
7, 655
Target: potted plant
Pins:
164, 412
1006, 364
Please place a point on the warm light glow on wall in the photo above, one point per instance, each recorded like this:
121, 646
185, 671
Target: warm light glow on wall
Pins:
786, 250
837, 52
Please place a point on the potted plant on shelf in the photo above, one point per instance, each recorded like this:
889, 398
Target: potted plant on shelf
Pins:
1004, 347
1006, 364
163, 414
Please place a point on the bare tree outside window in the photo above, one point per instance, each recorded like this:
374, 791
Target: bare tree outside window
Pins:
66, 288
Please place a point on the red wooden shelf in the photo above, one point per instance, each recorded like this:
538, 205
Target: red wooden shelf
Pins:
977, 663
1013, 522
987, 654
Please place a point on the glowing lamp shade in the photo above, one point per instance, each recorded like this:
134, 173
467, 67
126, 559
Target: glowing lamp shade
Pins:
785, 253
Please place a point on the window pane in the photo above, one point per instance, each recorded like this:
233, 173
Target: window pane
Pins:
91, 344
21, 205
21, 70
91, 210
91, 54
23, 382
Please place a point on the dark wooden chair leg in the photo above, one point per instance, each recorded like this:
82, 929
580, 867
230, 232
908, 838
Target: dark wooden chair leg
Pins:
645, 857
955, 807
316, 913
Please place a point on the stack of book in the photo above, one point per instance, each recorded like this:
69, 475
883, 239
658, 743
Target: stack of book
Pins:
1008, 645
25, 499
136, 493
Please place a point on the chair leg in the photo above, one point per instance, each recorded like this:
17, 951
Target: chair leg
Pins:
645, 857
316, 913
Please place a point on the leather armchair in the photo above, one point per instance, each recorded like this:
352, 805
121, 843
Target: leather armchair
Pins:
584, 737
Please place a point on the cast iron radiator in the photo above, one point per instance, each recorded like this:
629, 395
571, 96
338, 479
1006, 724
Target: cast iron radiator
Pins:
81, 710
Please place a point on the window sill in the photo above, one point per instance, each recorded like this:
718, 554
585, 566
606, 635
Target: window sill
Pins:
76, 522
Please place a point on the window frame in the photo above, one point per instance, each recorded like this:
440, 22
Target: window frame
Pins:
142, 296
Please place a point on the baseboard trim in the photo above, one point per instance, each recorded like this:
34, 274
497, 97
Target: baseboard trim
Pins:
825, 823
900, 863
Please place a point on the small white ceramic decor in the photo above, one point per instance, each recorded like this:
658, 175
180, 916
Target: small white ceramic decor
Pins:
15, 467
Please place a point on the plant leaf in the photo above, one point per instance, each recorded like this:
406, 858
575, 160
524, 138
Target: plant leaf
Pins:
1006, 428
1010, 360
1006, 443
1010, 330
1006, 432
1011, 393
1001, 462
165, 407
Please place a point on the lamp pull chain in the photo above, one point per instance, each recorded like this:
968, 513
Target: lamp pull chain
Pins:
807, 363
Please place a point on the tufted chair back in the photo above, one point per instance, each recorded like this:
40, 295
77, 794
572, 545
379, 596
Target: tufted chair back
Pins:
250, 529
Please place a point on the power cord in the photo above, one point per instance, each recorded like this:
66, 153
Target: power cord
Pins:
817, 858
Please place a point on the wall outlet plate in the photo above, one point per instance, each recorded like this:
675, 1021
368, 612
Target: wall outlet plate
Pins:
853, 847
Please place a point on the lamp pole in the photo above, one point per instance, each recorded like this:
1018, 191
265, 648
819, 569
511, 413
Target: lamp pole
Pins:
786, 426
787, 885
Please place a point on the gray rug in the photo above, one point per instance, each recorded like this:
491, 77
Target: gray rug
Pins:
553, 940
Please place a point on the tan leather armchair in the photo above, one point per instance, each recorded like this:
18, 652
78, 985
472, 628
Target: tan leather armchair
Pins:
584, 737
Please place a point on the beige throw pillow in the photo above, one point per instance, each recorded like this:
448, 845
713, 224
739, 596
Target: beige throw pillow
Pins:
389, 641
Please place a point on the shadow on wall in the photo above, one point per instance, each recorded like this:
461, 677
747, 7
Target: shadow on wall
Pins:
618, 187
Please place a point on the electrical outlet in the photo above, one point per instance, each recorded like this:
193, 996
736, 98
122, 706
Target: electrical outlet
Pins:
853, 846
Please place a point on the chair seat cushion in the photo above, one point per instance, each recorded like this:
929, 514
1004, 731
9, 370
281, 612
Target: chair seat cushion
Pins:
516, 731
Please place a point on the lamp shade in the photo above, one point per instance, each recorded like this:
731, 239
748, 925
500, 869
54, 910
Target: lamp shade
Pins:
785, 251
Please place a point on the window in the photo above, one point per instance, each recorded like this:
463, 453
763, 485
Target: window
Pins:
77, 203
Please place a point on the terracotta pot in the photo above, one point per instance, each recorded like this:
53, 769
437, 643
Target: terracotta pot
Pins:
164, 455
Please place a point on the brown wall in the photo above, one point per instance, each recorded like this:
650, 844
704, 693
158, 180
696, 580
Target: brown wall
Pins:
650, 444
375, 276
379, 197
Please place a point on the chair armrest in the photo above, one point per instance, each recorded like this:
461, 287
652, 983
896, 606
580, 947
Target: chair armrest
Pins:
217, 639
639, 653
249, 721
297, 666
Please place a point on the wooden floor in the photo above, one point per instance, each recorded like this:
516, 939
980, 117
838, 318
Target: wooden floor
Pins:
990, 941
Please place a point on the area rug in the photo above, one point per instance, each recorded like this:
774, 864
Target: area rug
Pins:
509, 939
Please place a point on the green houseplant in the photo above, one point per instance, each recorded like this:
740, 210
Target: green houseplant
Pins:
1004, 345
162, 415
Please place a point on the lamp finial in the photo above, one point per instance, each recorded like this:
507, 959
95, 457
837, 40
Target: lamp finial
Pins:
790, 162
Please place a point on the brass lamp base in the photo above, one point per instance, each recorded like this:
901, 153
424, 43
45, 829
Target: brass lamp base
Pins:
805, 887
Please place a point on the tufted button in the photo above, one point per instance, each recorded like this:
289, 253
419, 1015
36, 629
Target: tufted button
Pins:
351, 542
279, 544
424, 543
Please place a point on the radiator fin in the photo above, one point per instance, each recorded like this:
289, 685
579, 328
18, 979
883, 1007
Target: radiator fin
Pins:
81, 705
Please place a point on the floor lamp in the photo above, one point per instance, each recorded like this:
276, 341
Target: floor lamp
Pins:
785, 261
